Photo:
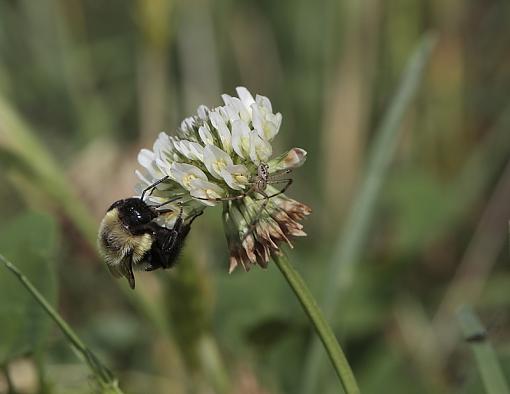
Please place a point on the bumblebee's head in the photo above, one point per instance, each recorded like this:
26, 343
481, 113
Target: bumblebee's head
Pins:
133, 211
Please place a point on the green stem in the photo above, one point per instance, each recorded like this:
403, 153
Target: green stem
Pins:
104, 376
323, 329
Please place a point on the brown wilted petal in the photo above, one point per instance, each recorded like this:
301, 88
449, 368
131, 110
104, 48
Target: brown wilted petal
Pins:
276, 225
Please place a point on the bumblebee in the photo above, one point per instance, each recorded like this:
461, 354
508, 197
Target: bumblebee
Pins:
130, 240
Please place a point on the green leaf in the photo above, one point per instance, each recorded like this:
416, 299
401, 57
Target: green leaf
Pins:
29, 239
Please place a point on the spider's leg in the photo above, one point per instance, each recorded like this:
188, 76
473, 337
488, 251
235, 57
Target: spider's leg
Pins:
287, 185
257, 216
280, 172
266, 198
272, 182
229, 198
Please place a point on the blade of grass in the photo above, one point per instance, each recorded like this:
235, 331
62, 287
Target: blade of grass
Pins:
485, 356
323, 329
347, 251
477, 263
104, 376
213, 365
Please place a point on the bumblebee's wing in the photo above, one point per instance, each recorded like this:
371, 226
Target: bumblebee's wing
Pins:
124, 268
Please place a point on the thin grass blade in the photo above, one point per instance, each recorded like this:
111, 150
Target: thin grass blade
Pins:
103, 375
485, 356
349, 246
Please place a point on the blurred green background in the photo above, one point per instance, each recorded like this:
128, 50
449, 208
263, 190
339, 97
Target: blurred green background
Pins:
85, 84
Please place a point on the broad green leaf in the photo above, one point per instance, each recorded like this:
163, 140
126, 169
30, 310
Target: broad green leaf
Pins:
30, 241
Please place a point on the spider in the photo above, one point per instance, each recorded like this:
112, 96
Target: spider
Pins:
259, 184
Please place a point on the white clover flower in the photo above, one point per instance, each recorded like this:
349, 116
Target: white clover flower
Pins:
217, 156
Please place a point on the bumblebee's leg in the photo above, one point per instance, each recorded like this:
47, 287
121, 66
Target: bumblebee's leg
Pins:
166, 258
193, 217
152, 187
156, 259
169, 241
152, 262
165, 211
160, 256
170, 238
153, 258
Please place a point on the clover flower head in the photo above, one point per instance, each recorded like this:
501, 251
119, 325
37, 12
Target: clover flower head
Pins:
215, 157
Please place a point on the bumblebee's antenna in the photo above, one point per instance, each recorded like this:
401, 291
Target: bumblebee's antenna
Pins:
152, 187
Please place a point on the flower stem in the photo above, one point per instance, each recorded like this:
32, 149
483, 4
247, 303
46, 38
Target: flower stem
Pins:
105, 378
326, 335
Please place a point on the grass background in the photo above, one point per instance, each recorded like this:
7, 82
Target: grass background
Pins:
85, 84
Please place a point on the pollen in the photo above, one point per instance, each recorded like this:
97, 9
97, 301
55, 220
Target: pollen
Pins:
211, 193
220, 165
240, 178
187, 179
